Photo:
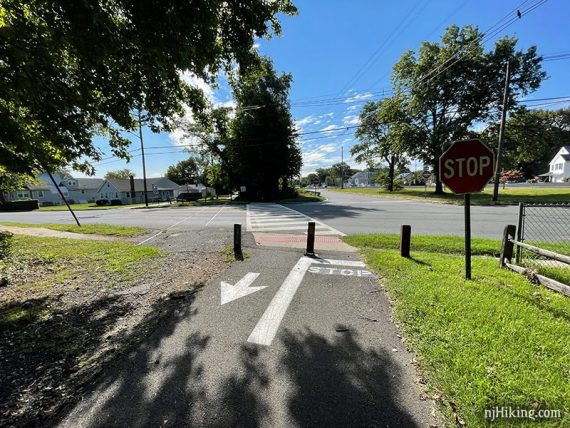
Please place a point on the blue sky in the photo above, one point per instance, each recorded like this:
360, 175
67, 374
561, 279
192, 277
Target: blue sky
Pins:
341, 53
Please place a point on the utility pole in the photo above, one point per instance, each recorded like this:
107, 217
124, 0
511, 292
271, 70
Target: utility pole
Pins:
501, 134
342, 167
143, 162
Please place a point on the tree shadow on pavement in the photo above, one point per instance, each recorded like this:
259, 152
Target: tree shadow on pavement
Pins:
332, 211
337, 383
144, 387
240, 397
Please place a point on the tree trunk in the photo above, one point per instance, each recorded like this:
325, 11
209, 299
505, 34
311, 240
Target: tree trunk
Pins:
438, 183
391, 165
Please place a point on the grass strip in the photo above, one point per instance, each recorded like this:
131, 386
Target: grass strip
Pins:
91, 229
497, 340
506, 196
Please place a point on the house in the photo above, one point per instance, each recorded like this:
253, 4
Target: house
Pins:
363, 179
45, 192
559, 170
82, 190
160, 188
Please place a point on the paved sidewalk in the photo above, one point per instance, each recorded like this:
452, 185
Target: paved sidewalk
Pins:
297, 342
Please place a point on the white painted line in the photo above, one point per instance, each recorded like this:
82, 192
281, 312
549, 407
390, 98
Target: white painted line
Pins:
268, 324
331, 228
159, 233
223, 206
353, 263
280, 223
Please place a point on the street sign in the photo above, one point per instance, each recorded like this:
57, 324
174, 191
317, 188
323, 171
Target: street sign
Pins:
467, 166
316, 182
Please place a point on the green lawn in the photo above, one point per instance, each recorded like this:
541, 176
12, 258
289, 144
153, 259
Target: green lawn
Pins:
85, 207
497, 340
97, 229
302, 196
506, 196
45, 262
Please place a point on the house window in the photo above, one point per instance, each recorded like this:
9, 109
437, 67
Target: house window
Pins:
83, 191
40, 194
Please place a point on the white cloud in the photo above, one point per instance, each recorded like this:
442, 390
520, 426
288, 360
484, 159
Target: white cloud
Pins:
352, 108
312, 120
328, 128
351, 120
256, 46
358, 97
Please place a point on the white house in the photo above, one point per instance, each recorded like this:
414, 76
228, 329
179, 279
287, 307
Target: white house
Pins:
559, 171
362, 179
82, 190
160, 188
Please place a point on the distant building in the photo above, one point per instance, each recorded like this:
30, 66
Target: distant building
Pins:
45, 191
363, 179
82, 190
160, 188
559, 167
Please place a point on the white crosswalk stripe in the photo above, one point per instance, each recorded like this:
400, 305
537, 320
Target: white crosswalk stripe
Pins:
269, 217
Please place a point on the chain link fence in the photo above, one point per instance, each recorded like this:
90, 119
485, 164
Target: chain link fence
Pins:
546, 226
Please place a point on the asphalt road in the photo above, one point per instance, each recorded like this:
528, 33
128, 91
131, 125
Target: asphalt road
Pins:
342, 212
314, 347
352, 213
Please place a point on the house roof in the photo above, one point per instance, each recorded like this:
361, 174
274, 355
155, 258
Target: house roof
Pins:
162, 183
37, 187
89, 183
566, 157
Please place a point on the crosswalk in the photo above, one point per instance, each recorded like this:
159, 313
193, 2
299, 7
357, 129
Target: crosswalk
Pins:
269, 217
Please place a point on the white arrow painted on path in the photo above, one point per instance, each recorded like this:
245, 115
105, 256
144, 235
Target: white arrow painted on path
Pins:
242, 288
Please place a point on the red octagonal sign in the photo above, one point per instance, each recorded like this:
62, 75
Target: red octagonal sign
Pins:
467, 166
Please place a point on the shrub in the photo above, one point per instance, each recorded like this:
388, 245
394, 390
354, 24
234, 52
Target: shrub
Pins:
28, 205
47, 204
116, 202
5, 244
101, 202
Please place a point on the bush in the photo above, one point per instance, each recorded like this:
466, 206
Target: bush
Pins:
28, 205
47, 204
116, 202
383, 179
5, 244
101, 202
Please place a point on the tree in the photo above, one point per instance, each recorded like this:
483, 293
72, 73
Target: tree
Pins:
532, 138
11, 181
73, 69
341, 170
121, 174
384, 134
262, 147
184, 172
454, 83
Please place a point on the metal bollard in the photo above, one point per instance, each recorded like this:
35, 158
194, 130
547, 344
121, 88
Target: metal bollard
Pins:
311, 240
237, 241
405, 240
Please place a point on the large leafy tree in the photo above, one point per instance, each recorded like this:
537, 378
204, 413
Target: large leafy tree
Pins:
452, 84
120, 174
11, 181
73, 69
532, 138
263, 147
184, 172
384, 135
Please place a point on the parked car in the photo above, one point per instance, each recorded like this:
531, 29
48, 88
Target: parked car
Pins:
188, 196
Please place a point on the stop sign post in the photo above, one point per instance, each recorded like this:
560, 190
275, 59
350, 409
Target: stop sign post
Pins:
466, 167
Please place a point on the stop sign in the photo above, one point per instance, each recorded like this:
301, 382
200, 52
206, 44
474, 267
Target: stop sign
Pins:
467, 166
